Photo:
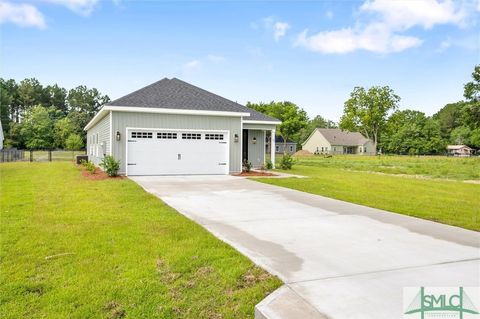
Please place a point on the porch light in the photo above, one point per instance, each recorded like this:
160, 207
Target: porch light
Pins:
117, 136
254, 140
235, 138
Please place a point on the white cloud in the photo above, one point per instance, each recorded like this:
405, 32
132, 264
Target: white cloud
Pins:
83, 7
425, 13
24, 15
386, 20
192, 65
373, 38
329, 14
279, 30
445, 44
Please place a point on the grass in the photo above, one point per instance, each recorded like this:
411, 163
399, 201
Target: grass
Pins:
77, 248
430, 166
450, 202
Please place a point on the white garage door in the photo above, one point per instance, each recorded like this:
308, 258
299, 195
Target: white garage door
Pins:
172, 152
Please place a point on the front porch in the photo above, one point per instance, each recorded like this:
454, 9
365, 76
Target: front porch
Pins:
253, 146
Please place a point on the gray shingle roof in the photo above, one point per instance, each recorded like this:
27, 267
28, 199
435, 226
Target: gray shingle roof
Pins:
336, 136
177, 94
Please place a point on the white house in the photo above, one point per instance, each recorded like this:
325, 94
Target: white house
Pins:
171, 127
336, 141
460, 150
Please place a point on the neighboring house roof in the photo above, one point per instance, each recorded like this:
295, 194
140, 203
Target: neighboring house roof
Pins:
279, 140
336, 136
179, 95
457, 147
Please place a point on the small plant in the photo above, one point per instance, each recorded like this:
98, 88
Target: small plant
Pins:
110, 165
247, 166
83, 162
287, 162
268, 164
90, 167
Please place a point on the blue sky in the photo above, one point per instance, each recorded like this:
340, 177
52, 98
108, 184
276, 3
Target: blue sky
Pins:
309, 52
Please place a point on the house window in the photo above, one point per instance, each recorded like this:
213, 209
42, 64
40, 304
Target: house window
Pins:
142, 135
168, 136
214, 136
334, 149
291, 148
322, 149
191, 136
277, 148
364, 149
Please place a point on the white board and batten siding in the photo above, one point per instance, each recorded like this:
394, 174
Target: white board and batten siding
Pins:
229, 152
98, 140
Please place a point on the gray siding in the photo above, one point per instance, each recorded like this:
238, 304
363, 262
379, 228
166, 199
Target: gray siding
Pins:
122, 120
281, 150
98, 140
266, 127
256, 152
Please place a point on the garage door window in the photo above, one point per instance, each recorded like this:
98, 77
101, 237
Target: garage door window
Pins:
214, 136
142, 135
167, 135
191, 136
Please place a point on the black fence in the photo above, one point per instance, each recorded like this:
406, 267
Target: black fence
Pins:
14, 155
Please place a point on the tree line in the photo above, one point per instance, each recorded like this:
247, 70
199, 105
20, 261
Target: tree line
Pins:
374, 113
35, 116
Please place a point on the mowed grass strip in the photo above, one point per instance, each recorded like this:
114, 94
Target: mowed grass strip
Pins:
458, 168
449, 202
77, 248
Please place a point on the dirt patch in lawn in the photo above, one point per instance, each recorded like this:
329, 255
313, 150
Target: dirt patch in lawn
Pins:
98, 175
254, 173
303, 153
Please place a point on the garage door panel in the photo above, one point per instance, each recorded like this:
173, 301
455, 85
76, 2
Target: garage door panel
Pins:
154, 154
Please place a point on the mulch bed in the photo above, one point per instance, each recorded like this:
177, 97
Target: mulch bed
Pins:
99, 174
254, 173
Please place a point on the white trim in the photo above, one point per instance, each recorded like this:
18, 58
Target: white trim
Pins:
264, 148
240, 139
159, 110
127, 129
272, 148
110, 145
262, 122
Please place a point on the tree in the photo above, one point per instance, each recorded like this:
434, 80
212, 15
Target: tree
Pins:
8, 102
411, 132
30, 94
82, 99
74, 143
37, 129
57, 98
62, 130
449, 117
461, 135
472, 89
367, 111
293, 118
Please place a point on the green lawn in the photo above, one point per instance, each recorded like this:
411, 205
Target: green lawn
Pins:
450, 202
76, 248
431, 166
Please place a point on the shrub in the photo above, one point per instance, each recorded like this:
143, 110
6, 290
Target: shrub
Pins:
268, 164
90, 167
247, 166
287, 162
110, 165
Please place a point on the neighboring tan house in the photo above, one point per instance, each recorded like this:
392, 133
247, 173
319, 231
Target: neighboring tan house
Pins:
336, 141
171, 127
280, 147
459, 150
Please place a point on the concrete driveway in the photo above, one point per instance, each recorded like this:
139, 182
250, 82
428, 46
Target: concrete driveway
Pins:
337, 259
